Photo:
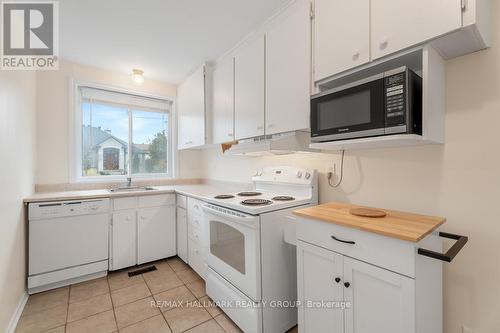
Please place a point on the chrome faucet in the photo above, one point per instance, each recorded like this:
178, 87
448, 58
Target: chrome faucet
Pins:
129, 181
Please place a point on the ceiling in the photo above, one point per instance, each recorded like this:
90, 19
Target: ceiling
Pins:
168, 39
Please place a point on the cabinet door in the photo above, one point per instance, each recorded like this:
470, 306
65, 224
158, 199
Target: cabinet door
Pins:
182, 241
249, 90
341, 35
191, 111
379, 298
123, 240
318, 270
223, 102
196, 260
156, 237
288, 70
398, 24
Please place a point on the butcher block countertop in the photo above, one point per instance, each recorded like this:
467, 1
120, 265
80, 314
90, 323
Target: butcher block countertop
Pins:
405, 226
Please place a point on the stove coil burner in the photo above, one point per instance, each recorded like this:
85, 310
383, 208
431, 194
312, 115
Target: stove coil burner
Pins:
283, 198
224, 196
249, 194
256, 202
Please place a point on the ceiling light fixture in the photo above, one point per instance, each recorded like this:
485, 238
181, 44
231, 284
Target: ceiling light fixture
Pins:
137, 76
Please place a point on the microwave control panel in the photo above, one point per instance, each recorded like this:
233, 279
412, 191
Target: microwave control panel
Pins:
395, 105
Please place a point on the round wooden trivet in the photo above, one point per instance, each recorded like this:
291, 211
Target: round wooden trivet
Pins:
367, 212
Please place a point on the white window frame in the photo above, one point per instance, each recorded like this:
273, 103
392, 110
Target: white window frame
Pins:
75, 138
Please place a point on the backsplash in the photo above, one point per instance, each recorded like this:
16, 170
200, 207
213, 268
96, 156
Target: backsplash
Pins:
107, 185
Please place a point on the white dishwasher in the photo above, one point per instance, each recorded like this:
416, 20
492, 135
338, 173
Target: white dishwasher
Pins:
68, 242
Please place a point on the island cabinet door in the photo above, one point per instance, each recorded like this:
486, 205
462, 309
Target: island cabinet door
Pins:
320, 289
380, 300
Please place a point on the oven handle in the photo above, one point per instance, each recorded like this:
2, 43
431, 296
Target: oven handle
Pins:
245, 220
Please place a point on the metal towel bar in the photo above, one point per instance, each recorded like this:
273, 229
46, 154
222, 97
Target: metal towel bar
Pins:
451, 253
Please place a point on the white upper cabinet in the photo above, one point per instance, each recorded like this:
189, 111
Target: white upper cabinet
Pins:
398, 24
249, 90
288, 68
342, 35
223, 102
191, 111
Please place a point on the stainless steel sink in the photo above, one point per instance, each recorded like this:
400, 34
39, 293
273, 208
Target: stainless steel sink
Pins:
132, 189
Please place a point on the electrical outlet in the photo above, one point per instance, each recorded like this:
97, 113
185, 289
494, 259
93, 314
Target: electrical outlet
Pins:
465, 329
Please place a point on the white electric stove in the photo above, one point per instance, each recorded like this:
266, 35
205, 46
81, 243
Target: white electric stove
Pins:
252, 271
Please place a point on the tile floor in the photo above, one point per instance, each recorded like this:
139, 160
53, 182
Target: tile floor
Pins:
118, 303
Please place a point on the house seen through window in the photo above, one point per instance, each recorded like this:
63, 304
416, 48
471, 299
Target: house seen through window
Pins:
123, 135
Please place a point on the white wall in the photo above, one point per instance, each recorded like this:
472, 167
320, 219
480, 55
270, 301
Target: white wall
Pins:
17, 142
53, 107
459, 180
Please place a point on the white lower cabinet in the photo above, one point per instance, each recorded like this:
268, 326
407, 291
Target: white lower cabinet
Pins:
378, 297
351, 281
156, 235
182, 240
197, 237
123, 240
374, 297
318, 268
143, 229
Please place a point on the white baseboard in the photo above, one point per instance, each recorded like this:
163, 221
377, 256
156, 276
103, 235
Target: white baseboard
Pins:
17, 314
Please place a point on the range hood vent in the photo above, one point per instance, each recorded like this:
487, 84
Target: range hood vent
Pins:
276, 144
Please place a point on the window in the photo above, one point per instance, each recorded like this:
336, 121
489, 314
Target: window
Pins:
122, 134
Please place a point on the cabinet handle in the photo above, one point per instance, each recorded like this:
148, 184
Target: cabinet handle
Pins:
127, 218
189, 142
356, 54
270, 126
230, 134
343, 241
384, 43
259, 127
337, 279
346, 284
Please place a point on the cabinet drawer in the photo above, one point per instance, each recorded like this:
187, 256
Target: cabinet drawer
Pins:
389, 253
195, 234
181, 201
194, 206
195, 221
125, 203
156, 200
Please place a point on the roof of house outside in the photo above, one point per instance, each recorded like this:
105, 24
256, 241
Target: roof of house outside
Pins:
94, 136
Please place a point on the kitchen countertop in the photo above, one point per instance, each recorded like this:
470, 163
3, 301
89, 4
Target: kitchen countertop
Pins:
401, 225
197, 191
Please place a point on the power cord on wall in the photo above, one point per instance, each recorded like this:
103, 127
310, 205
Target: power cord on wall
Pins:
330, 174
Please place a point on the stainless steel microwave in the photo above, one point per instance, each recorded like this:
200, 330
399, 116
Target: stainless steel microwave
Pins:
384, 104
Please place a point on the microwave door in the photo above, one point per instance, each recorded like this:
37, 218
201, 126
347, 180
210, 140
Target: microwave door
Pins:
357, 111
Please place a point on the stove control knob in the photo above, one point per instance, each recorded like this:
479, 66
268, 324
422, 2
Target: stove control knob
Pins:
308, 175
299, 174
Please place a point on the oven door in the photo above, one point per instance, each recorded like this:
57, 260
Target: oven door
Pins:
234, 248
351, 111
